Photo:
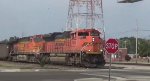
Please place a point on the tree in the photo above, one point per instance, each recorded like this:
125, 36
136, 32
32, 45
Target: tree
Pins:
143, 45
130, 44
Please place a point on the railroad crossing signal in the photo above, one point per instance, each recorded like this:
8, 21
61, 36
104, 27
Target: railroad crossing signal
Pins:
111, 46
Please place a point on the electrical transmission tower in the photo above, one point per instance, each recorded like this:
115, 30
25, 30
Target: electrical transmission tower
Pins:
85, 14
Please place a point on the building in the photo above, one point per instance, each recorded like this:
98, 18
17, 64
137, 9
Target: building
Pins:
118, 56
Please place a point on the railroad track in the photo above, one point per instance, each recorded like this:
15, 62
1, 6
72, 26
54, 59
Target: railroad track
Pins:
28, 65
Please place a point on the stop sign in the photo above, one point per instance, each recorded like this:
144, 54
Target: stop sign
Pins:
111, 46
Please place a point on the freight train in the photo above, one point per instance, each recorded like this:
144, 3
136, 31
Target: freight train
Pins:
82, 47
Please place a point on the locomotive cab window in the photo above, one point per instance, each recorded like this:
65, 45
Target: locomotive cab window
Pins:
83, 34
94, 33
73, 35
38, 39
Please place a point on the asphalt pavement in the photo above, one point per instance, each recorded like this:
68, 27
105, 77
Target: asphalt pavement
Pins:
32, 72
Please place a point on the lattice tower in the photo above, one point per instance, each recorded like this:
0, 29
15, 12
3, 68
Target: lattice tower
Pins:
85, 14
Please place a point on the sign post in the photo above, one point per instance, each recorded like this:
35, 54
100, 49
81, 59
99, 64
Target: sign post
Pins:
111, 47
109, 66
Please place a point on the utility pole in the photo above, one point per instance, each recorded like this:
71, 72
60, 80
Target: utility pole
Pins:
136, 40
125, 43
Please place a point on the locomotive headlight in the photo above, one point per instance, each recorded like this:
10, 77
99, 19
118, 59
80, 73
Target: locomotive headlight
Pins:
93, 39
101, 50
89, 50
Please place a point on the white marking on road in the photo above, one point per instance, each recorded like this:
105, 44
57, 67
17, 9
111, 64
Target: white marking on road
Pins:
10, 70
36, 70
118, 78
76, 70
89, 79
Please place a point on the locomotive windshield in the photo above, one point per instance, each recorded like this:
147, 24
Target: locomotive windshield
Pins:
83, 34
94, 33
25, 39
38, 39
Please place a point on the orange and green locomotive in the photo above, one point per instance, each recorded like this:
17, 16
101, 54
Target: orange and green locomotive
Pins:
82, 47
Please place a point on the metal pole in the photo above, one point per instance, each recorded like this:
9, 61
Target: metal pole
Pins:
109, 66
136, 40
136, 48
125, 44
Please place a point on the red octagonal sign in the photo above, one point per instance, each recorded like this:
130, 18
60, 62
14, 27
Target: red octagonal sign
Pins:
111, 46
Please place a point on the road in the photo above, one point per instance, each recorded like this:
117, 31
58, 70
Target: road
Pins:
32, 72
77, 75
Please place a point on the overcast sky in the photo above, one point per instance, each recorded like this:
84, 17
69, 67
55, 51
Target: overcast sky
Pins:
29, 17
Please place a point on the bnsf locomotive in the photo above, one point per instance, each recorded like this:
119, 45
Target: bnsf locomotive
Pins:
80, 47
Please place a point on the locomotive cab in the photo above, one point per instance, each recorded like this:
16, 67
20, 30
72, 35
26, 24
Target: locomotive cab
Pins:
88, 41
89, 45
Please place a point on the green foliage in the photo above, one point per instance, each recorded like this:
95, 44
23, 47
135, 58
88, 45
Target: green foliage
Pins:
130, 43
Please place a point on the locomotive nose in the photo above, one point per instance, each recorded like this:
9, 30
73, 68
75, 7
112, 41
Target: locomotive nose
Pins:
97, 44
94, 46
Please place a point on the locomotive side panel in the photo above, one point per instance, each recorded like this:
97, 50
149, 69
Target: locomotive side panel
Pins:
58, 42
67, 46
49, 47
31, 46
22, 46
